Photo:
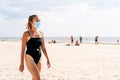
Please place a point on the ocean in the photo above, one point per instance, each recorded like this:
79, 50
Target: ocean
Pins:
67, 39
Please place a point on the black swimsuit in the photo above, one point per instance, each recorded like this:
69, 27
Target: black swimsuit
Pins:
34, 48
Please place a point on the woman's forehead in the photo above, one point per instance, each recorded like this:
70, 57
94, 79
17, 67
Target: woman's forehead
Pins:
37, 18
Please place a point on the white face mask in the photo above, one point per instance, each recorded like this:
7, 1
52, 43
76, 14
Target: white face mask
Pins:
37, 24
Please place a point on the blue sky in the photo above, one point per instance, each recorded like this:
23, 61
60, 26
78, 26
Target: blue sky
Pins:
61, 17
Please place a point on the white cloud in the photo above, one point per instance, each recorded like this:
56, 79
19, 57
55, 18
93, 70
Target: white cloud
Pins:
2, 17
82, 19
12, 28
87, 18
10, 8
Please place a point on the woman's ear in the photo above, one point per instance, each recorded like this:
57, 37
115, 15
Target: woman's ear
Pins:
31, 22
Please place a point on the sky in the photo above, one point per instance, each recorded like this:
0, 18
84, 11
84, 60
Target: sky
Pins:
61, 17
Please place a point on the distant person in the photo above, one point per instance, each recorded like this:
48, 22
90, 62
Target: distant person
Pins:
117, 41
50, 42
77, 43
33, 43
72, 40
54, 41
96, 40
80, 39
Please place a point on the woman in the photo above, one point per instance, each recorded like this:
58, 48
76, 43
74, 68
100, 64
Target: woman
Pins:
96, 40
72, 40
33, 40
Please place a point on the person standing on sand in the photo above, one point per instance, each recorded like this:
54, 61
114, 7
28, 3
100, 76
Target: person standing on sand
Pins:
80, 39
96, 40
33, 42
72, 40
117, 41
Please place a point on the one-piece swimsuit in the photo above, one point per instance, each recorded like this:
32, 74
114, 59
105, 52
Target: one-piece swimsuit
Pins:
34, 48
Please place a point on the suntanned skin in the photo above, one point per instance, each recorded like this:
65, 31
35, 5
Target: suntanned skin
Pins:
33, 68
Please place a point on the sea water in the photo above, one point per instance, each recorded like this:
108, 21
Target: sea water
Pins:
67, 39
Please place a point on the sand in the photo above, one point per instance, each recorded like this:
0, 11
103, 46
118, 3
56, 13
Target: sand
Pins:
84, 62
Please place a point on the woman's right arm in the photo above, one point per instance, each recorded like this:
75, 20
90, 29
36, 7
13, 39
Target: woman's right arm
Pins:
23, 46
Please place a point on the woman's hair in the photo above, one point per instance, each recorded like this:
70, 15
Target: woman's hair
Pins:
30, 19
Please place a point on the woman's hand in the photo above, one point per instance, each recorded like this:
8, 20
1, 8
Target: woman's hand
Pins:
21, 68
48, 64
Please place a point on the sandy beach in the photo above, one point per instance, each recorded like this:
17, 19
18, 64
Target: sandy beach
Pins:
84, 62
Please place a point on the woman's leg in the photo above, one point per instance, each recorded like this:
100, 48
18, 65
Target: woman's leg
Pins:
32, 67
39, 66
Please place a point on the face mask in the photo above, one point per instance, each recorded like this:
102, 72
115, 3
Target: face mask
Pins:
37, 24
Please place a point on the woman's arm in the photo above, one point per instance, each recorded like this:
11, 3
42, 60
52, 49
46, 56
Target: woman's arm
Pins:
23, 45
23, 48
45, 51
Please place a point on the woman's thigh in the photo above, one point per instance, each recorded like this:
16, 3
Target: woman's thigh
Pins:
32, 66
39, 66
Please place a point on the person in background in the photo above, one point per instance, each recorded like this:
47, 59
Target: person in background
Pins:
77, 43
80, 39
96, 40
72, 40
117, 41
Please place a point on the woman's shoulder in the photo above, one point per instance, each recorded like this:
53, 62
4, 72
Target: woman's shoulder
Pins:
41, 33
25, 33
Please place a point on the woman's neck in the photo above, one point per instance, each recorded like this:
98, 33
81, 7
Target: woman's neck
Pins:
34, 32
34, 29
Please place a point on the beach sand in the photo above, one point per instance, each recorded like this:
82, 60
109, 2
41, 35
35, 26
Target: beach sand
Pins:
84, 62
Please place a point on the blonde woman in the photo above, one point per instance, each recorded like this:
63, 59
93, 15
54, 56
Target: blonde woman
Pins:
33, 43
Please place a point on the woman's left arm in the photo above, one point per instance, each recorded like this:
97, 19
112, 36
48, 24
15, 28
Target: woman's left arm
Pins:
45, 51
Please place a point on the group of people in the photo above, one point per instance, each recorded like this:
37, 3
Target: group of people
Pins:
53, 41
77, 43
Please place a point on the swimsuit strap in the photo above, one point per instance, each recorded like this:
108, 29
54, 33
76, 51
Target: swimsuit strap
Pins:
29, 33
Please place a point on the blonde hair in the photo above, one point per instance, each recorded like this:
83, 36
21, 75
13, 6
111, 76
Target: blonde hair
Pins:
30, 19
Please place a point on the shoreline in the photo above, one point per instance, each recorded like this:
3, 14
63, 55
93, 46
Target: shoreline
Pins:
101, 39
107, 43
